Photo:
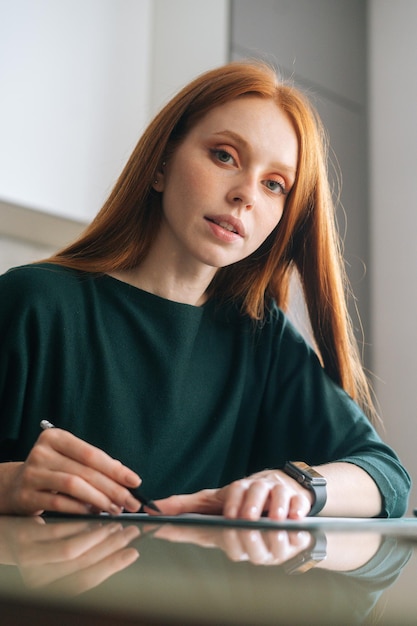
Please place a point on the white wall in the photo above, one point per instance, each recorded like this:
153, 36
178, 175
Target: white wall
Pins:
79, 79
393, 184
72, 81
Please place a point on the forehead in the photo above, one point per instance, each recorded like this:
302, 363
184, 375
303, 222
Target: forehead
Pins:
260, 122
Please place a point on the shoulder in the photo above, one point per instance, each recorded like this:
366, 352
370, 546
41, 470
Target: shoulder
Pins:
36, 272
280, 326
276, 328
29, 285
288, 346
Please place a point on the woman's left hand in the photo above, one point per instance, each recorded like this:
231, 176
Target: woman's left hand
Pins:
270, 492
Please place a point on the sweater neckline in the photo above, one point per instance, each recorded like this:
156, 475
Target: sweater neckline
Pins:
150, 296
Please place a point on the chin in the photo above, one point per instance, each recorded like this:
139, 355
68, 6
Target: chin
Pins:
220, 259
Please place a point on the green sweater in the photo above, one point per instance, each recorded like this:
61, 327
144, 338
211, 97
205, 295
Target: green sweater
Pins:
189, 397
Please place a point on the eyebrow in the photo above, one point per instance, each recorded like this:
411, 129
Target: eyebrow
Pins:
240, 140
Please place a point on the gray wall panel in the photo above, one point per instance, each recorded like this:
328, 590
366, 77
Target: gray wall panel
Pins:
321, 46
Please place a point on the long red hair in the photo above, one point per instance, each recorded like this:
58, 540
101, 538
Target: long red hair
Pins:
305, 240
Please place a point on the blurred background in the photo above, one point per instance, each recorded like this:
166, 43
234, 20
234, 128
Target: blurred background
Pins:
80, 79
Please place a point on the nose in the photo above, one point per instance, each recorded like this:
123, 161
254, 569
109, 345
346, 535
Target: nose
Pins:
243, 193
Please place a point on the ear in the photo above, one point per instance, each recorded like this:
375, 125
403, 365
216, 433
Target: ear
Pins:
159, 179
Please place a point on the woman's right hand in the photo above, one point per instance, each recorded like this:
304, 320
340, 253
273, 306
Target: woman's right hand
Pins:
65, 474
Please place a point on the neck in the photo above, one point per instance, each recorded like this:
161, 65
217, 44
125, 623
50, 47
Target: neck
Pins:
179, 286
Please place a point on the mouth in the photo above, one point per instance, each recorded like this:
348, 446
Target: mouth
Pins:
229, 223
225, 225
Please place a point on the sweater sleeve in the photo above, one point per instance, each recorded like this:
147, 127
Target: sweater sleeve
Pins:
14, 358
306, 416
27, 298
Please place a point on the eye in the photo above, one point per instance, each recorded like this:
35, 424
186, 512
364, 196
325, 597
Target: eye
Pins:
223, 156
276, 187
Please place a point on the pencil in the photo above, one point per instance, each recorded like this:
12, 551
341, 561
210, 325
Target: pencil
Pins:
136, 493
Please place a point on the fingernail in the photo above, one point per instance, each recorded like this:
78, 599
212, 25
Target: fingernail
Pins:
131, 503
129, 555
132, 480
281, 512
114, 509
303, 535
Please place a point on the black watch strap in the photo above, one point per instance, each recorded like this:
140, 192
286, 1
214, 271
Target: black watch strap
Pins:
310, 479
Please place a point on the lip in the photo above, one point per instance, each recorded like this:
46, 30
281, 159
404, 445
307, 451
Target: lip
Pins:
234, 222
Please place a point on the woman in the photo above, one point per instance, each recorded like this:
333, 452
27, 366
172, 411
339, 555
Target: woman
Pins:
155, 343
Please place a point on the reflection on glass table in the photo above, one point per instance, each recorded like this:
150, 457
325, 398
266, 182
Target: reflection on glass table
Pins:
222, 575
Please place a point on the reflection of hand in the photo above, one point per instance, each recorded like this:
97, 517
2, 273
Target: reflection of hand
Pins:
343, 551
70, 556
266, 547
270, 492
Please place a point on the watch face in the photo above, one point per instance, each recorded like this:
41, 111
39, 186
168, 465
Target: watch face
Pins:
310, 479
306, 473
315, 475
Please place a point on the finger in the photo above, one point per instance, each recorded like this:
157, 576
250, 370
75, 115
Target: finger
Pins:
254, 545
279, 502
114, 542
66, 548
81, 581
232, 545
97, 574
52, 531
101, 493
284, 545
247, 500
87, 455
47, 470
206, 501
198, 535
300, 540
234, 495
62, 492
52, 572
33, 502
299, 506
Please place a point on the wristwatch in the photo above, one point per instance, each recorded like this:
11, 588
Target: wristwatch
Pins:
309, 558
310, 479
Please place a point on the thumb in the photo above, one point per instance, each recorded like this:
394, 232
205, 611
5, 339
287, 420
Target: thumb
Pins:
207, 501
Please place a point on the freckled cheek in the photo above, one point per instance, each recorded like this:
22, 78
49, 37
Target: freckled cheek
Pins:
263, 227
189, 198
182, 187
202, 186
270, 219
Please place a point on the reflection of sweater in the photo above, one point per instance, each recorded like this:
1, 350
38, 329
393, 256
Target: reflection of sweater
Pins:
189, 397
